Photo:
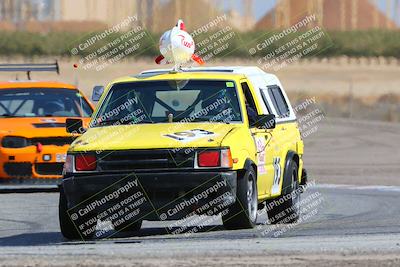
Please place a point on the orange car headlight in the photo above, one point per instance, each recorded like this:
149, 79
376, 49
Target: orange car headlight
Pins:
14, 142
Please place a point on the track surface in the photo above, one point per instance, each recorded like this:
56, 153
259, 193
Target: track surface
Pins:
343, 224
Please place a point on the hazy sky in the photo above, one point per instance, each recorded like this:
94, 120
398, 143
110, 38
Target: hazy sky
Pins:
260, 7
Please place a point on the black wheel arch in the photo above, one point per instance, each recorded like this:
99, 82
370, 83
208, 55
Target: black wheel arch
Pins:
247, 165
291, 155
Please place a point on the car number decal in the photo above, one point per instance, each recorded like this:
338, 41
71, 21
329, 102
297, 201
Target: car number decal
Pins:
190, 135
277, 175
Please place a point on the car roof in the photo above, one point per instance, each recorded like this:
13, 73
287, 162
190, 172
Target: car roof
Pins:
245, 70
222, 72
259, 79
35, 84
175, 76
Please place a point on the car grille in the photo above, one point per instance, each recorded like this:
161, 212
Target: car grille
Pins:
140, 160
57, 141
18, 169
49, 168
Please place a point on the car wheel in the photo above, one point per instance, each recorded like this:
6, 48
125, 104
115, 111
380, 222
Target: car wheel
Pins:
286, 208
67, 227
243, 213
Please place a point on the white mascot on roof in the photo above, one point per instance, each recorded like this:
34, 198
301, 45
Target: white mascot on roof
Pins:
177, 47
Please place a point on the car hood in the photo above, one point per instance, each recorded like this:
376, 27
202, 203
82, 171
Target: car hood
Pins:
34, 127
152, 136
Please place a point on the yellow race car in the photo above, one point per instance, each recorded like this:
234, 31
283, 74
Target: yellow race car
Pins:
165, 145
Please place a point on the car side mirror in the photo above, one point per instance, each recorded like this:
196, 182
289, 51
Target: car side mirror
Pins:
265, 121
74, 126
97, 92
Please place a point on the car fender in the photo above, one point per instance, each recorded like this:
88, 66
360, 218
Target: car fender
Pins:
287, 176
248, 164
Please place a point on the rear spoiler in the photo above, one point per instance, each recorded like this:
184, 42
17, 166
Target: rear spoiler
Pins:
29, 67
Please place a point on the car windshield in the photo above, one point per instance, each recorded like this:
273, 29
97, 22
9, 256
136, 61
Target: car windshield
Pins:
170, 101
43, 102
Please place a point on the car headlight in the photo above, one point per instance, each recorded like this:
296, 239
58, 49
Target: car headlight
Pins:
79, 163
14, 142
214, 158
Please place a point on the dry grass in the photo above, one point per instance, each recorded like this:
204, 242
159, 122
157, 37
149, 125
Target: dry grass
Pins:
383, 107
343, 89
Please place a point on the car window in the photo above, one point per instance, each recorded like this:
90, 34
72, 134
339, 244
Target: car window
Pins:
248, 96
278, 100
264, 93
158, 101
250, 104
43, 102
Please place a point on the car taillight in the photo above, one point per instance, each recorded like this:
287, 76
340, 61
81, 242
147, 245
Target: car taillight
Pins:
215, 158
209, 159
85, 162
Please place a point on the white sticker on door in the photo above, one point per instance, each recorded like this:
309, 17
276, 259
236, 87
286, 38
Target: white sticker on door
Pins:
261, 160
277, 176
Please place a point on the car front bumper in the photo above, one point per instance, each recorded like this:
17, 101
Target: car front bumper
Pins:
168, 195
27, 163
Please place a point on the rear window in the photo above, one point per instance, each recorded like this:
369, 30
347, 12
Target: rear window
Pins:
278, 100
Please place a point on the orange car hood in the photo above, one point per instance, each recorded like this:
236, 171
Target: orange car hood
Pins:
34, 127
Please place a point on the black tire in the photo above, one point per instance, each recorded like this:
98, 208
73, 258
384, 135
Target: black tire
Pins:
134, 227
286, 208
67, 227
243, 213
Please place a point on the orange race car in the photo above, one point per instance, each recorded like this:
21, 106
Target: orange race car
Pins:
33, 140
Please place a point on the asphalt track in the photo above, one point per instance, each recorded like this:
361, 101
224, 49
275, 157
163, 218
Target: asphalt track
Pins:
341, 224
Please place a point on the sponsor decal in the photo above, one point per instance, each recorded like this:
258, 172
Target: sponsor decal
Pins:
190, 135
261, 160
277, 176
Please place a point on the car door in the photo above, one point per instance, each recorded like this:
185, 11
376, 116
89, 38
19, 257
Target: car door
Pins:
264, 142
281, 134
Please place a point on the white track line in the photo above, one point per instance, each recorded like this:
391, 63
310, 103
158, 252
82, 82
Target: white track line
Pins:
385, 188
